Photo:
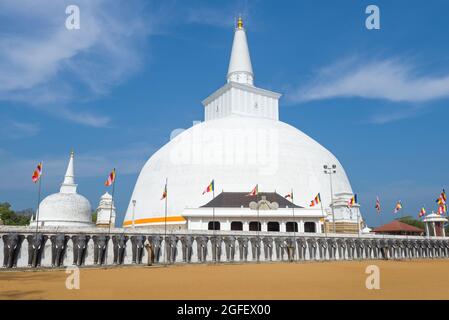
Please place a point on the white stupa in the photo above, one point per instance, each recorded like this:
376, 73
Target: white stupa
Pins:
106, 211
66, 208
240, 144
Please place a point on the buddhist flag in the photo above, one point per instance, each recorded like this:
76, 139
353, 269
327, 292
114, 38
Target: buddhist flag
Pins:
398, 206
209, 188
316, 200
377, 205
37, 173
255, 191
111, 178
442, 209
164, 193
422, 213
352, 201
442, 198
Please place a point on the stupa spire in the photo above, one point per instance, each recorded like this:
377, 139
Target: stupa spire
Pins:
69, 186
240, 69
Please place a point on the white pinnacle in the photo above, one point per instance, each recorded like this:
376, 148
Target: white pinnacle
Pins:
240, 69
69, 186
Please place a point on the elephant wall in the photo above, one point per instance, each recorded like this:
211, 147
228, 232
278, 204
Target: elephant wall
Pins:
123, 247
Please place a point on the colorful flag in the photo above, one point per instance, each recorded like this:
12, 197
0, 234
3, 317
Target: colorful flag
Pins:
316, 200
111, 178
398, 206
209, 188
255, 191
37, 173
352, 201
422, 213
377, 205
442, 198
164, 193
442, 209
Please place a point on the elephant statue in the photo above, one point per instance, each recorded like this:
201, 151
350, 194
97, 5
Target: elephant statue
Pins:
351, 248
36, 247
119, 245
405, 247
155, 243
445, 248
201, 244
80, 248
187, 249
230, 248
255, 248
359, 248
58, 249
420, 248
279, 244
243, 248
368, 244
12, 243
312, 245
302, 248
100, 248
332, 248
171, 248
137, 245
216, 242
268, 248
341, 248
391, 248
433, 248
322, 248
414, 249
290, 248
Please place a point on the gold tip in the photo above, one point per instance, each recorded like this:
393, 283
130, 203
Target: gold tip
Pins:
240, 23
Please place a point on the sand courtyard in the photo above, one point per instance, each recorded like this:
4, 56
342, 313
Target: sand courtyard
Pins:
420, 279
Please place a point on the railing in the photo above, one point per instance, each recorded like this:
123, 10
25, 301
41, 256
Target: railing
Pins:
22, 247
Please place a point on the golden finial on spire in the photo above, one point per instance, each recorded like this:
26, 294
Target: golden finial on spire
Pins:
240, 23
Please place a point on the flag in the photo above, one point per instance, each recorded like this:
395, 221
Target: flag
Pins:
377, 205
442, 209
398, 206
352, 201
255, 191
442, 198
209, 188
164, 193
316, 200
37, 173
422, 213
111, 178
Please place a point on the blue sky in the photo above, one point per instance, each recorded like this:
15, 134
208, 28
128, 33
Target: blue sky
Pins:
136, 70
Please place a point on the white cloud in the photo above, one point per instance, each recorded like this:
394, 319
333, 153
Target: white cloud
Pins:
46, 66
18, 130
16, 171
391, 79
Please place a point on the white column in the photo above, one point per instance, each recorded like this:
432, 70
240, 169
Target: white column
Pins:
245, 226
264, 226
282, 227
434, 230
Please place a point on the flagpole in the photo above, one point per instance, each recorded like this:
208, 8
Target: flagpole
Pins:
165, 221
294, 222
38, 202
213, 216
259, 226
112, 202
110, 213
322, 212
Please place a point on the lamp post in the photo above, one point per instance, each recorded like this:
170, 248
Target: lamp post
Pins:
134, 208
330, 170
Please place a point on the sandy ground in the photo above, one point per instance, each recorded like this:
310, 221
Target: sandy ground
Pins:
424, 279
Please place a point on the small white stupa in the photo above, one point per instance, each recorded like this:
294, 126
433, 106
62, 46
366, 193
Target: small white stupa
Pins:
66, 208
106, 211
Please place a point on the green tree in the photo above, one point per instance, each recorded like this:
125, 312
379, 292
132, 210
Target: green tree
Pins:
412, 221
9, 217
